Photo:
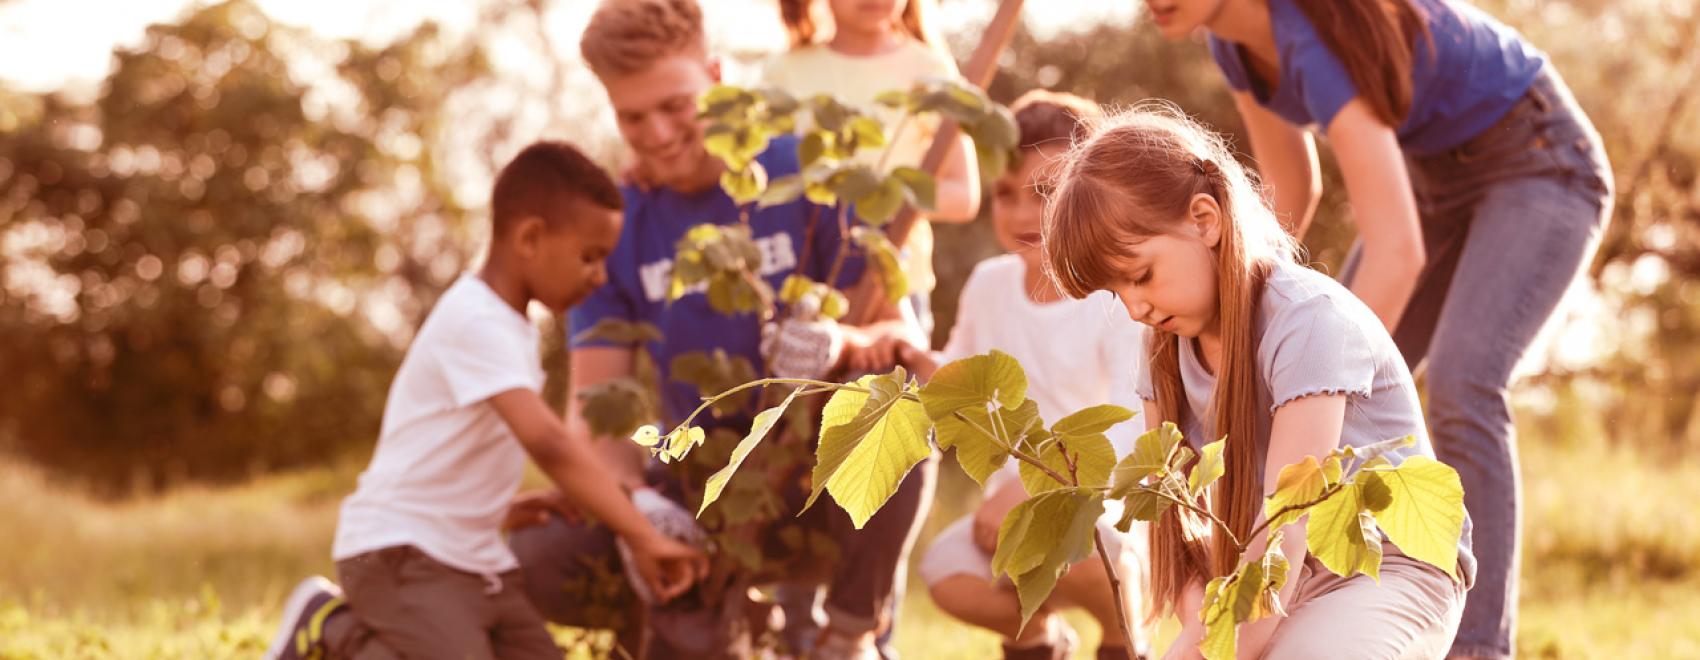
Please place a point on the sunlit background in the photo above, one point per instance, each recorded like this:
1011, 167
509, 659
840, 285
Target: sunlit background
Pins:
221, 222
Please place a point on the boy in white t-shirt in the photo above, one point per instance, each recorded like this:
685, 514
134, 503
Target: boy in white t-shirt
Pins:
418, 547
1077, 353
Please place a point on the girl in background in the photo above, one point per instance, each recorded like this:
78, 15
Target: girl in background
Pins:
876, 46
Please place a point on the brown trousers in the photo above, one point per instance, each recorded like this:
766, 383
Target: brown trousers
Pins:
406, 605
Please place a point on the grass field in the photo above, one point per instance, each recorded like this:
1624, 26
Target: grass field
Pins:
1612, 565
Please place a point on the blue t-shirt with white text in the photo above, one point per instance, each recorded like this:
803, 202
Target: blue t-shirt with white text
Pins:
641, 265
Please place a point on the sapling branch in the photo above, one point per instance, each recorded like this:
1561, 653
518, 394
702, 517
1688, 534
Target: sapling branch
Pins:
891, 144
844, 244
1326, 493
1116, 589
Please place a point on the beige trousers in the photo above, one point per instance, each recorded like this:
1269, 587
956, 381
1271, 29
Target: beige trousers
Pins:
1413, 613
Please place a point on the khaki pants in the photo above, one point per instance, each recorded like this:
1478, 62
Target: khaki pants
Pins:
1413, 613
407, 605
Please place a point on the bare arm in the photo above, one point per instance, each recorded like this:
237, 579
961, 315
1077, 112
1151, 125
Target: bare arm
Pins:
1306, 427
958, 197
668, 566
568, 462
1286, 159
624, 461
1383, 208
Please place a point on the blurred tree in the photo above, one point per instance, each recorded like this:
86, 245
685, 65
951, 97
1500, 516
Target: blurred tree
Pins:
212, 269
201, 268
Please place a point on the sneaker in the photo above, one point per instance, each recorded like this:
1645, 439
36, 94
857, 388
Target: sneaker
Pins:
837, 645
1057, 644
302, 634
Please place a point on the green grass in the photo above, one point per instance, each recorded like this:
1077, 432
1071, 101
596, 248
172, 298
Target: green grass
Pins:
1612, 565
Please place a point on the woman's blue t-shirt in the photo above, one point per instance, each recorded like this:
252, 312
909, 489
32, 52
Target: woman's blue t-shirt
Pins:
1476, 69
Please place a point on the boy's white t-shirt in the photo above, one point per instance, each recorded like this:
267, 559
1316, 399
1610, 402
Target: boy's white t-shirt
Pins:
447, 465
1077, 353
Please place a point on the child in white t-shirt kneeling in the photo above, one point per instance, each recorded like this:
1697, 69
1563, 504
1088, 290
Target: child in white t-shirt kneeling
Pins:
1077, 354
418, 547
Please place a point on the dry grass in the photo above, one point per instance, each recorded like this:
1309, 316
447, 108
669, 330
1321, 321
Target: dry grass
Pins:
1612, 566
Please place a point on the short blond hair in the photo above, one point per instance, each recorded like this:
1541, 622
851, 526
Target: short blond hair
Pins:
627, 36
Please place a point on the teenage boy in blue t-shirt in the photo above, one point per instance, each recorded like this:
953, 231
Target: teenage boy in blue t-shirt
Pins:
651, 59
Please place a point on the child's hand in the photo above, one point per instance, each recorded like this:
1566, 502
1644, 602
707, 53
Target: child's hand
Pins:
668, 567
878, 352
870, 353
533, 508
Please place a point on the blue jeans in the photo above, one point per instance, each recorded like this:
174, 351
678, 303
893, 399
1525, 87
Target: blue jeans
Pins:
1509, 220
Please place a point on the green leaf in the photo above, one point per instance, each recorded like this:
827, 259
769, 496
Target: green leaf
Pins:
1220, 629
741, 550
1343, 536
680, 442
723, 294
1097, 419
1297, 484
993, 162
853, 182
1059, 534
996, 130
1274, 576
1093, 455
794, 288
979, 455
867, 132
619, 331
864, 455
1249, 593
1014, 554
975, 381
953, 99
1424, 514
829, 114
813, 145
720, 140
783, 190
922, 187
779, 101
1369, 453
763, 424
1153, 452
894, 99
714, 372
882, 204
1209, 468
834, 306
647, 435
616, 407
886, 259
721, 99
744, 185
970, 98
1141, 505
